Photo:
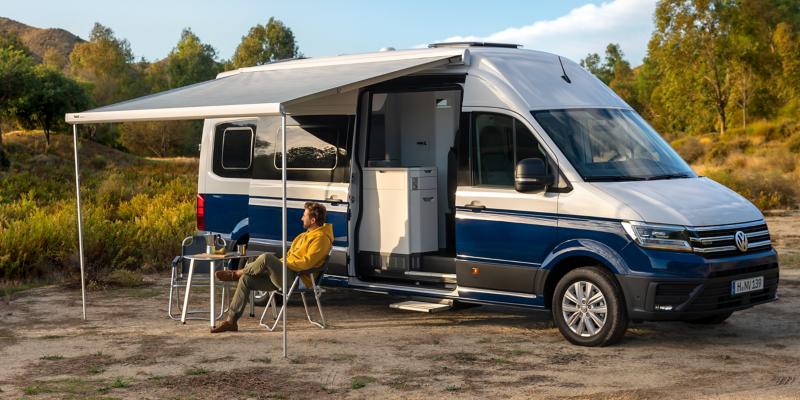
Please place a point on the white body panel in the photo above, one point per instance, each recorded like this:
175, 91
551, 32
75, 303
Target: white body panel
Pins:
690, 202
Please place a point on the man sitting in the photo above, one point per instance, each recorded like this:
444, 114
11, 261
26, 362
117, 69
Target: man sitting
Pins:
309, 250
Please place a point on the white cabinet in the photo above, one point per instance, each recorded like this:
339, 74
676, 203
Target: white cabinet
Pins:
399, 211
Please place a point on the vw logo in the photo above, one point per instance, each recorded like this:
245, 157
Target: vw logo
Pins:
741, 241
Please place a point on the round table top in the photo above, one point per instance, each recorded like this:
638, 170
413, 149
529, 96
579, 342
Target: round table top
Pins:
230, 256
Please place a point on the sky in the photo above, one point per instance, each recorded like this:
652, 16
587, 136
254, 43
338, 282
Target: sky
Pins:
570, 28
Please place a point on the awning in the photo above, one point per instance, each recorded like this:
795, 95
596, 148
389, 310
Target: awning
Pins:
261, 91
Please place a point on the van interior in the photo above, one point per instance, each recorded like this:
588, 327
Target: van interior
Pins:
406, 227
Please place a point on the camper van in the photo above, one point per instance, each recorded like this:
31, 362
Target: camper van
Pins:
495, 176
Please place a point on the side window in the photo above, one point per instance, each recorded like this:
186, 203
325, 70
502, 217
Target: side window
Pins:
309, 147
499, 142
317, 147
233, 149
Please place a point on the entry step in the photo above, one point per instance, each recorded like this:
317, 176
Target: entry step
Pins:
421, 306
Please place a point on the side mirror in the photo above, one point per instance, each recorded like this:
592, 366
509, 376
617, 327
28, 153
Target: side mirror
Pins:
530, 176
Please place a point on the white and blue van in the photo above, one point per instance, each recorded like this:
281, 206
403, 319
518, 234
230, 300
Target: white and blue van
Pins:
508, 177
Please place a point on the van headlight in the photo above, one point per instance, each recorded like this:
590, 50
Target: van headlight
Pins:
661, 237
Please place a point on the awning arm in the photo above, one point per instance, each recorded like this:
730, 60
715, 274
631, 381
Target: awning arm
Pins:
178, 113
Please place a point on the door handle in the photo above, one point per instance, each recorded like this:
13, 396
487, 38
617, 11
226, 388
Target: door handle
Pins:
334, 201
472, 207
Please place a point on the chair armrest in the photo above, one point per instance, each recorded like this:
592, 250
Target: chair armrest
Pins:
313, 270
176, 260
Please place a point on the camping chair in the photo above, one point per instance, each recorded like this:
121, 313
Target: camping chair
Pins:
299, 286
190, 246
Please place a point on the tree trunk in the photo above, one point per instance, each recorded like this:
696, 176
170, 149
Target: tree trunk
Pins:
721, 112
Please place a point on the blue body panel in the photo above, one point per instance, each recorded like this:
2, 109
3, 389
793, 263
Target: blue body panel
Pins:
525, 241
265, 222
225, 211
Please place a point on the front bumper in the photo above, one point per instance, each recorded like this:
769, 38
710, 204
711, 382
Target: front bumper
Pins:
693, 298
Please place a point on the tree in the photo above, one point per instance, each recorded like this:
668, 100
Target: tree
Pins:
11, 40
15, 75
50, 95
191, 61
263, 44
159, 137
692, 45
605, 71
106, 61
788, 48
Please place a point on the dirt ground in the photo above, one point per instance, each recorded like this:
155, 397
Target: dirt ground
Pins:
129, 349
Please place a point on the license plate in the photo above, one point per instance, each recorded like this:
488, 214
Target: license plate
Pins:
747, 285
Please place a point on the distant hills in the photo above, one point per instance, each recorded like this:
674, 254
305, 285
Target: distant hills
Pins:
40, 40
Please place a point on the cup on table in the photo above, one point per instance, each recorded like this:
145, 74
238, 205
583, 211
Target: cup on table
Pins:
241, 248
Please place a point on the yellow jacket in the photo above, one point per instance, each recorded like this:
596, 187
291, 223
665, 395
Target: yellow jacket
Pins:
309, 250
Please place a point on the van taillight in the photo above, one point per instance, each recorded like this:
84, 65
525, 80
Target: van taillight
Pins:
201, 212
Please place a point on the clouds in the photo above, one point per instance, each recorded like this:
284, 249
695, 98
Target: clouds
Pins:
586, 29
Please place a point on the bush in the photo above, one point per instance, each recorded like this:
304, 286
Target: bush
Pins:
132, 219
98, 162
765, 190
690, 149
717, 154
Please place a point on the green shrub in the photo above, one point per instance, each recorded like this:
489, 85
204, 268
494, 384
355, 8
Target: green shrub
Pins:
765, 190
717, 154
690, 149
766, 130
98, 162
132, 218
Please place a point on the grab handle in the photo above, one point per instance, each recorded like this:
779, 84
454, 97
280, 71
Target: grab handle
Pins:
474, 207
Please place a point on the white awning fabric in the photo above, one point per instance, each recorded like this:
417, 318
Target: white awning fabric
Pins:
258, 91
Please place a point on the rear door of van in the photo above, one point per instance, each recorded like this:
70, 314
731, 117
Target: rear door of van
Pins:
502, 236
318, 169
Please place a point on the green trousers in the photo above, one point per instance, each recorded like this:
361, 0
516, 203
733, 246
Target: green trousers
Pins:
264, 274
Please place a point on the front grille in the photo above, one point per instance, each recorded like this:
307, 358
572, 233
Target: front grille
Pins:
720, 241
717, 296
744, 270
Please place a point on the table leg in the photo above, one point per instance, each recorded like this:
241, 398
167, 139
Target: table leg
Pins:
188, 288
211, 279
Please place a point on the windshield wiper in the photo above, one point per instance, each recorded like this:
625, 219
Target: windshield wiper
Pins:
613, 178
667, 176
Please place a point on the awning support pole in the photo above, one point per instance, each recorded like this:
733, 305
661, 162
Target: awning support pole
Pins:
283, 218
80, 222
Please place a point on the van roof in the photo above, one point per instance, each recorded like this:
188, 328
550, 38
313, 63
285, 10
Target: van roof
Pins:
511, 74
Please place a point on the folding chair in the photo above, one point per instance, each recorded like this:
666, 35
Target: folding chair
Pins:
190, 246
299, 286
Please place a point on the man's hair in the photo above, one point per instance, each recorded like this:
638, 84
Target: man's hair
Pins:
316, 211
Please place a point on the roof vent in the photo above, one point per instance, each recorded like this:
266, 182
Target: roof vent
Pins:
386, 49
474, 44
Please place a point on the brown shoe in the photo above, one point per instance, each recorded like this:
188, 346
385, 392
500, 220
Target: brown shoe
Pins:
226, 326
226, 276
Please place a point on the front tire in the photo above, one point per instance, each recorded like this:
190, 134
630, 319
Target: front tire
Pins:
588, 308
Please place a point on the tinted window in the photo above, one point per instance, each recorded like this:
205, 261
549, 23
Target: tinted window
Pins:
232, 156
608, 144
318, 148
494, 149
309, 147
237, 148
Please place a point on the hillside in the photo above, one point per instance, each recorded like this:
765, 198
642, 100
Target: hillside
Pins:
40, 40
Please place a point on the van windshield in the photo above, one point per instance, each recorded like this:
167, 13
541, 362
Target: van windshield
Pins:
608, 144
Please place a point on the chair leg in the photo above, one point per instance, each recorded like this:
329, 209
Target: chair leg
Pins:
171, 289
271, 303
319, 306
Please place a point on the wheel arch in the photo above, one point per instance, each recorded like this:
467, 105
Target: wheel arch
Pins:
575, 254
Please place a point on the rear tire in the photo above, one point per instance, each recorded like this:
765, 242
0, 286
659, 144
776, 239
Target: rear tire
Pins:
588, 308
711, 320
